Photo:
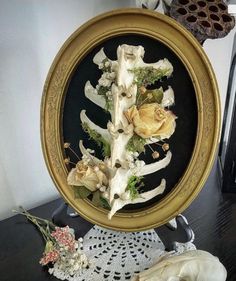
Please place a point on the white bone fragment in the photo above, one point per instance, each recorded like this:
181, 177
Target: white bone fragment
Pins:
99, 57
154, 167
195, 265
92, 94
118, 148
118, 182
168, 97
117, 204
103, 132
85, 152
121, 103
124, 76
130, 57
119, 121
119, 141
163, 64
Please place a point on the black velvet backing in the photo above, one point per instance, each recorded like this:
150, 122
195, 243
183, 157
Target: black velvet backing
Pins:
181, 142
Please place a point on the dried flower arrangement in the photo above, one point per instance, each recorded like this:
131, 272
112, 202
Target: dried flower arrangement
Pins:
140, 117
63, 253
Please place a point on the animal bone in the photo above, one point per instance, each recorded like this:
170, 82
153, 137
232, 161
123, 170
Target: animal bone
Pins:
100, 57
103, 132
118, 145
118, 182
168, 97
119, 93
120, 140
122, 104
85, 152
92, 94
156, 166
119, 203
192, 265
130, 57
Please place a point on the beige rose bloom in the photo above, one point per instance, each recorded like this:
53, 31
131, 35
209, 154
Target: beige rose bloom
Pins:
151, 120
84, 175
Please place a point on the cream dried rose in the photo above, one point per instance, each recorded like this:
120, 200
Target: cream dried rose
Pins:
85, 175
151, 120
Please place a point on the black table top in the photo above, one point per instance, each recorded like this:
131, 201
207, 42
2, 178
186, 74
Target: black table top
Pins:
21, 247
212, 217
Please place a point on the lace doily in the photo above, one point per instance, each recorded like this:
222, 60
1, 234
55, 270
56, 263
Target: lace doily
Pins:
119, 255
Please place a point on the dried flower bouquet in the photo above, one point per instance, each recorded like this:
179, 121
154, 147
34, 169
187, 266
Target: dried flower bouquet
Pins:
63, 253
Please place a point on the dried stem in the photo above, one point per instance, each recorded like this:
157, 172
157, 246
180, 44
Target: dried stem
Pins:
42, 224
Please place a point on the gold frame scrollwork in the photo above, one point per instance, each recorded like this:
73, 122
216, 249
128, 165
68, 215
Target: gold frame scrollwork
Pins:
186, 47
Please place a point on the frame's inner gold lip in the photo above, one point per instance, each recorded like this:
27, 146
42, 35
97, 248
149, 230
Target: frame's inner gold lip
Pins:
58, 173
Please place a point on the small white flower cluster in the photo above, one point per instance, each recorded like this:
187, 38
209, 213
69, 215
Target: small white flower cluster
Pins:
106, 194
70, 263
104, 65
91, 151
107, 79
133, 162
109, 95
136, 165
86, 159
125, 196
130, 157
100, 186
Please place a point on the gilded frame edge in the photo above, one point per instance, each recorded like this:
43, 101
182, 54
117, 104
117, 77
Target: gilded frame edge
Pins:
208, 115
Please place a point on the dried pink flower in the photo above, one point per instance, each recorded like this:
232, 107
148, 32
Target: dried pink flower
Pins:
48, 257
64, 237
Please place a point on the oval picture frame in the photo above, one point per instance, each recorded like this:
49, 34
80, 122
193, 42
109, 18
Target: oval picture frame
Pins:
190, 52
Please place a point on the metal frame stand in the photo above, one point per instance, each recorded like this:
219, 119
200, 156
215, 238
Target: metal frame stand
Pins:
169, 234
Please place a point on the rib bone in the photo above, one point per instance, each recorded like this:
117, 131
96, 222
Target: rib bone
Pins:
117, 204
92, 94
154, 167
103, 132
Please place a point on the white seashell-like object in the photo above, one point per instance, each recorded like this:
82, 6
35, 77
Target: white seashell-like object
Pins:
195, 265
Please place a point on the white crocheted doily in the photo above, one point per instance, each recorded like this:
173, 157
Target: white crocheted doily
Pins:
119, 255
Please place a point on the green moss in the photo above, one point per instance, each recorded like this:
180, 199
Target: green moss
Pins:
136, 143
134, 184
104, 203
150, 96
100, 201
102, 92
145, 76
96, 198
106, 68
100, 141
81, 192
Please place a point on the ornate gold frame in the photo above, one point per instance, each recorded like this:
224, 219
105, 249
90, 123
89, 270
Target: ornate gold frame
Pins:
186, 47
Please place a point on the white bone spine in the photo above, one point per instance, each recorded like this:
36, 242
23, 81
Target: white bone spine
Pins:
123, 93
